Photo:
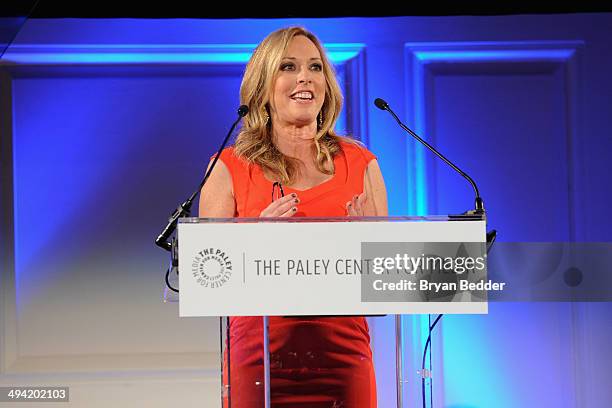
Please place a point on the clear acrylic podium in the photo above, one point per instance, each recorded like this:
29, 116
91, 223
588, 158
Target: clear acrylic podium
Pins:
262, 275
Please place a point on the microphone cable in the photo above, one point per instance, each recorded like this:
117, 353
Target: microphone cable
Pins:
428, 346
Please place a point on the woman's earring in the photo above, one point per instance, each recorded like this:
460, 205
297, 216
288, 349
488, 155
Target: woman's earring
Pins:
266, 117
320, 119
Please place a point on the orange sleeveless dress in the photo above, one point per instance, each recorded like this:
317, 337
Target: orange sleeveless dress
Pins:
315, 362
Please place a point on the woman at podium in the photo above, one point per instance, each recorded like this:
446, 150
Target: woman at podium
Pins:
287, 161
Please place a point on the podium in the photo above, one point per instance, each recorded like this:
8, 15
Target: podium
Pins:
248, 269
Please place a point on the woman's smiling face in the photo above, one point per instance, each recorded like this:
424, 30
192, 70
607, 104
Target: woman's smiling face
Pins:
299, 86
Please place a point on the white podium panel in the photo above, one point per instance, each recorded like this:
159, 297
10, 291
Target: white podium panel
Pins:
259, 267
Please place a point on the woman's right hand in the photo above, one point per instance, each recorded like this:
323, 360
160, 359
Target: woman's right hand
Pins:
283, 207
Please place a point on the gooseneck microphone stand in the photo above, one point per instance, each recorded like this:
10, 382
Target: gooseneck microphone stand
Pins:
382, 105
184, 209
478, 211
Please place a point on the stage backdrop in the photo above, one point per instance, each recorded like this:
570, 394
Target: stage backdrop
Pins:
108, 124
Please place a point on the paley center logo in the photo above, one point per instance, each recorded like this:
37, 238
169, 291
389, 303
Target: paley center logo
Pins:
211, 268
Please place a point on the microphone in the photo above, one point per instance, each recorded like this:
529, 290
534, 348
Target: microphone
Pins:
243, 110
382, 105
184, 209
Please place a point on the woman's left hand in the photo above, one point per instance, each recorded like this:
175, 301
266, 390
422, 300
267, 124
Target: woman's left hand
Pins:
357, 206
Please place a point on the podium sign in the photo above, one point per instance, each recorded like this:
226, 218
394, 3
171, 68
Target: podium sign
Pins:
326, 266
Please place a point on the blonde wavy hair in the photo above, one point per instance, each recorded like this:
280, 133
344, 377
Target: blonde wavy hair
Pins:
254, 142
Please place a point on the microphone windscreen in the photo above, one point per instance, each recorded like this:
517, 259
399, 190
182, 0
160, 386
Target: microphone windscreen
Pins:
243, 110
381, 104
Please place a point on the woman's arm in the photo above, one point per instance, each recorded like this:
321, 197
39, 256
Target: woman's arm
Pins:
217, 195
373, 201
375, 192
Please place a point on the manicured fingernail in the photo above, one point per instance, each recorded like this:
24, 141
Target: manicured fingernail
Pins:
293, 195
294, 209
296, 201
349, 204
